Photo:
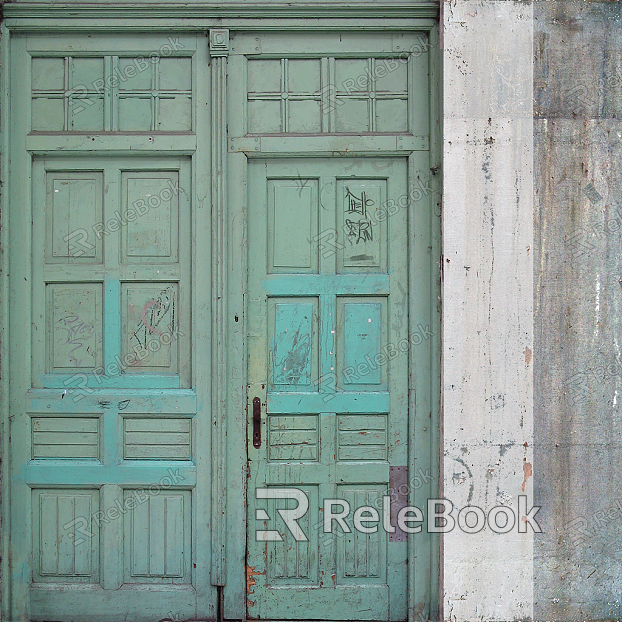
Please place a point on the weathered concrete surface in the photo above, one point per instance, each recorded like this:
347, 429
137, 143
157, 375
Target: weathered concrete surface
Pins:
578, 300
488, 301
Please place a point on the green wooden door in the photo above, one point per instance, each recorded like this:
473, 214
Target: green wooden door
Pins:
324, 361
192, 228
336, 336
110, 425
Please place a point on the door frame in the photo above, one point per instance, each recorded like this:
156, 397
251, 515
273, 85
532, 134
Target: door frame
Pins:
229, 391
424, 584
192, 149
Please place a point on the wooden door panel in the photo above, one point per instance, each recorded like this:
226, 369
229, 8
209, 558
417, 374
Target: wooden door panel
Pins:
109, 420
113, 293
332, 420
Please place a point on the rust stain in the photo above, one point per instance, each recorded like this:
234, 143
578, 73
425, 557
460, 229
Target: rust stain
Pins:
527, 356
528, 472
250, 578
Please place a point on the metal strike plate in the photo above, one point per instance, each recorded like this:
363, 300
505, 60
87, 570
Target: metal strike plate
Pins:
398, 490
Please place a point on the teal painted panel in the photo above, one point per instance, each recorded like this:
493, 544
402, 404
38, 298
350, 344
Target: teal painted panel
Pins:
362, 335
150, 207
74, 203
330, 403
363, 348
292, 224
74, 338
291, 562
158, 539
362, 557
293, 342
149, 319
65, 536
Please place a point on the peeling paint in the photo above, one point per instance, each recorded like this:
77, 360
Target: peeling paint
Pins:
251, 573
528, 472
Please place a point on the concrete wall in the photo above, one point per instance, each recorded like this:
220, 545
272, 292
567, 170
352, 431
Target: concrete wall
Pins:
488, 301
572, 444
578, 300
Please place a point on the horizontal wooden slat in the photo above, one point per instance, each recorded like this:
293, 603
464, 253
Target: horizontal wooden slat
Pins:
129, 380
61, 273
362, 422
316, 284
65, 438
157, 425
293, 452
65, 451
157, 452
303, 422
139, 474
366, 452
363, 452
326, 143
195, 16
141, 143
363, 437
157, 438
294, 437
344, 402
65, 424
127, 401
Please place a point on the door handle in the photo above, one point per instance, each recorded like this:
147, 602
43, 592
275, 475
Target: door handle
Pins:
256, 423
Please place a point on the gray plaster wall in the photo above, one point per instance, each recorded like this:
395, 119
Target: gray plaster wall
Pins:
578, 305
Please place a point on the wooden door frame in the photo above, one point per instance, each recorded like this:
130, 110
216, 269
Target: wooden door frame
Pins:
18, 149
424, 584
229, 249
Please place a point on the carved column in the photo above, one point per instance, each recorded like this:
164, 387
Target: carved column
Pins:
219, 49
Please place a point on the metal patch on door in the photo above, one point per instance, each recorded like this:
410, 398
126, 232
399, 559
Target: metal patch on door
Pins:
398, 491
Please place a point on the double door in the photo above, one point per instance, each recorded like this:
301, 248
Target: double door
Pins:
221, 310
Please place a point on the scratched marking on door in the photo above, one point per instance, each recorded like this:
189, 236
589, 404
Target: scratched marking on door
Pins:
362, 220
151, 325
75, 319
361, 229
78, 332
155, 315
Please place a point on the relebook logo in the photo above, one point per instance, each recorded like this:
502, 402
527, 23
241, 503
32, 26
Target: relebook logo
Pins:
441, 516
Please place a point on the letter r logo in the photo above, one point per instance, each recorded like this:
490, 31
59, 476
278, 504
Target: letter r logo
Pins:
289, 516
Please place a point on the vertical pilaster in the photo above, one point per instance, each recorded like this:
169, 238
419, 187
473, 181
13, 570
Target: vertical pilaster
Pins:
487, 447
219, 50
